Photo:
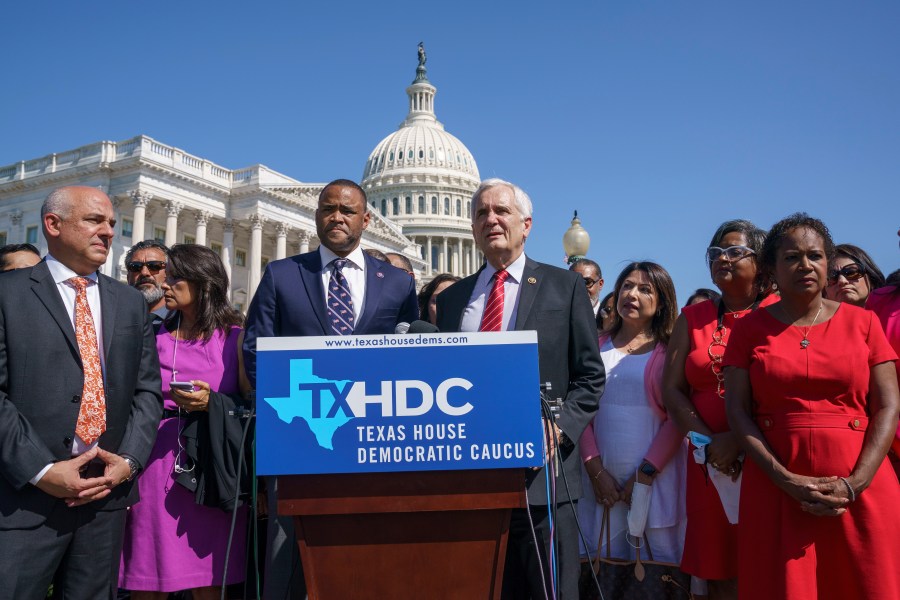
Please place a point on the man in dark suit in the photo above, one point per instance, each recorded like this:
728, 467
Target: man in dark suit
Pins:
513, 292
80, 402
335, 290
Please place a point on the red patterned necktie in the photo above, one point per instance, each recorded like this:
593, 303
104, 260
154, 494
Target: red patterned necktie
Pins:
92, 416
492, 318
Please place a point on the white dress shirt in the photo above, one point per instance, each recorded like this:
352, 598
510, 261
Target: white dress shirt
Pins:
61, 274
354, 272
471, 318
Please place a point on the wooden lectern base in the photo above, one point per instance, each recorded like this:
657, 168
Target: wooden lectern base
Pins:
431, 534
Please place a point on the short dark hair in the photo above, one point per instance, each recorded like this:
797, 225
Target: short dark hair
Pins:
407, 265
427, 292
143, 246
705, 293
203, 267
667, 306
588, 263
346, 183
756, 238
12, 249
861, 257
782, 227
375, 253
893, 279
603, 301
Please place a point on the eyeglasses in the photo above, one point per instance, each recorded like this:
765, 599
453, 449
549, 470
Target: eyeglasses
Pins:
154, 266
590, 282
732, 253
851, 272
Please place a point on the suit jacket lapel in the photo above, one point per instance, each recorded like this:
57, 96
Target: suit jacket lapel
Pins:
527, 291
374, 291
108, 304
45, 289
311, 274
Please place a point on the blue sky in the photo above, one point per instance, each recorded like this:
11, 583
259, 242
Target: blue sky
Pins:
655, 120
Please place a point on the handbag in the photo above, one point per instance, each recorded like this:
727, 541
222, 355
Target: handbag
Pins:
638, 579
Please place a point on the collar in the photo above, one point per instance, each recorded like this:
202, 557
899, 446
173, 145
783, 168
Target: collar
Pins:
515, 270
356, 258
61, 273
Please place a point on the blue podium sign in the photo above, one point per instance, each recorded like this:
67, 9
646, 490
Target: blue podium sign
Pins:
414, 402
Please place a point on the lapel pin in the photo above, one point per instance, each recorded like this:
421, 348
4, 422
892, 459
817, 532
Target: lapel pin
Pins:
379, 274
532, 280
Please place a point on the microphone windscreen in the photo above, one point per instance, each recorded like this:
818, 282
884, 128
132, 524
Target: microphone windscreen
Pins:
422, 327
401, 327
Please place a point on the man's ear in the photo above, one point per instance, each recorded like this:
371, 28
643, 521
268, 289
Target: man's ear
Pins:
52, 224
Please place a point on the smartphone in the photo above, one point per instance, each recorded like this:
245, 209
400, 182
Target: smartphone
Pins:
184, 386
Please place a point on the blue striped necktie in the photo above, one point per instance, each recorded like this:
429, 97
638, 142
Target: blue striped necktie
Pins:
340, 304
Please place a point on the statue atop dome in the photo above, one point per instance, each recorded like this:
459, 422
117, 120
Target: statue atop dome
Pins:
421, 77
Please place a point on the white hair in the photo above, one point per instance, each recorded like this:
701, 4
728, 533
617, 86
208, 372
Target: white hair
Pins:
522, 200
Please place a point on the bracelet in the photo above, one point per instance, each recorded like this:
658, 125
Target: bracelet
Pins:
849, 488
599, 473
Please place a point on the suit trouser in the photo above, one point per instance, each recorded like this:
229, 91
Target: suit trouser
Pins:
524, 563
283, 578
77, 549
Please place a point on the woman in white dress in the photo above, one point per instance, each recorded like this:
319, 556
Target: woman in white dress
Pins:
632, 438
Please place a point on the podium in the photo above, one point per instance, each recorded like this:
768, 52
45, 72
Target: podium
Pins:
400, 457
428, 534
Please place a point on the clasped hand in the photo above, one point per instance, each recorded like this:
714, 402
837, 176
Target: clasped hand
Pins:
820, 496
64, 478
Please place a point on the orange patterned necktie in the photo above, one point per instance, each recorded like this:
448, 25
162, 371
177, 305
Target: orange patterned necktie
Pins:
92, 416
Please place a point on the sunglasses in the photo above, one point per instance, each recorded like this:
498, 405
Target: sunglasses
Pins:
851, 272
732, 253
154, 266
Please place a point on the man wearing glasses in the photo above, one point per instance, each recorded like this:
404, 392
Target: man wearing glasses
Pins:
593, 279
146, 264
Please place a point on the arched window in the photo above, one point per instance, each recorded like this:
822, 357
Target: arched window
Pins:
409, 205
431, 153
422, 205
458, 207
383, 207
446, 206
395, 206
434, 206
409, 154
421, 153
392, 156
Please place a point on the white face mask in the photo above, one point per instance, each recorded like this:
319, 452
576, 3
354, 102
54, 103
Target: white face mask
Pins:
640, 508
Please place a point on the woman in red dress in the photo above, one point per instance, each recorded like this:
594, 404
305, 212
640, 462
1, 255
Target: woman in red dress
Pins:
811, 392
694, 393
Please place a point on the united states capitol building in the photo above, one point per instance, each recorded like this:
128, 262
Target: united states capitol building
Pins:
419, 181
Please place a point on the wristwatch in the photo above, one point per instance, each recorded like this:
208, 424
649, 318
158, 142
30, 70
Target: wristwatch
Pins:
133, 465
648, 469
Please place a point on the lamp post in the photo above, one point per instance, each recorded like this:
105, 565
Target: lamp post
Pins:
576, 241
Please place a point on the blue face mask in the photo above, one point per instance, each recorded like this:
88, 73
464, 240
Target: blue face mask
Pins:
698, 439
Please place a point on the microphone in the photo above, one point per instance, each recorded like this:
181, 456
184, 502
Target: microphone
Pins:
422, 327
401, 327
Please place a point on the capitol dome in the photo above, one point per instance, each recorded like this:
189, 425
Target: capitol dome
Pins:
422, 178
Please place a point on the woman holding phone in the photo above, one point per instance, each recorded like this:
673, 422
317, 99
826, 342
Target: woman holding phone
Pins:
173, 543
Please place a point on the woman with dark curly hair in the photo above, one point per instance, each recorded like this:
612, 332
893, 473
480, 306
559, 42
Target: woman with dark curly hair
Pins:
694, 392
852, 275
428, 296
811, 392
172, 542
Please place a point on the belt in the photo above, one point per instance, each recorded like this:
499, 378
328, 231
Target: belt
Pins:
768, 422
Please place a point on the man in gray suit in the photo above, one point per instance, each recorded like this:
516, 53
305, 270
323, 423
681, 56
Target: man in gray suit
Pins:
80, 402
513, 292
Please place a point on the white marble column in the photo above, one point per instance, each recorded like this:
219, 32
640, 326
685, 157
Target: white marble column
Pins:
202, 219
428, 256
139, 219
256, 226
172, 210
281, 242
474, 258
444, 262
15, 221
228, 250
304, 242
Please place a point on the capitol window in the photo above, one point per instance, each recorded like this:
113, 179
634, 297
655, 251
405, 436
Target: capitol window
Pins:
31, 235
159, 234
434, 207
2, 238
127, 228
240, 258
392, 156
395, 206
421, 205
383, 207
446, 206
421, 153
431, 153
217, 248
409, 205
189, 239
458, 207
409, 154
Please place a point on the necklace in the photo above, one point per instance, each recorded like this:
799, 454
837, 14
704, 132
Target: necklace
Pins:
718, 341
628, 348
804, 343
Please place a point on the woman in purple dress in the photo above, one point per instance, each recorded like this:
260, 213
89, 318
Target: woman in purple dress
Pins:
172, 542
